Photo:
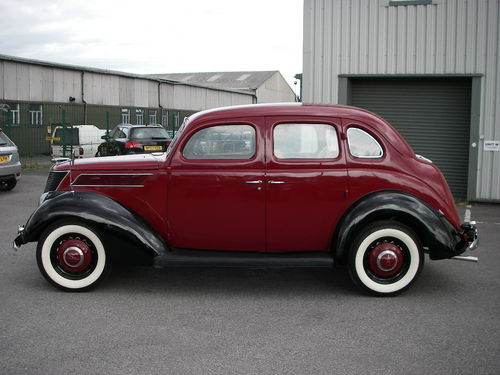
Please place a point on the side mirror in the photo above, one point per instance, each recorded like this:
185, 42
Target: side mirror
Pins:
105, 137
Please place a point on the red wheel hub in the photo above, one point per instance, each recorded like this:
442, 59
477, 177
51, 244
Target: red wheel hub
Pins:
74, 255
386, 259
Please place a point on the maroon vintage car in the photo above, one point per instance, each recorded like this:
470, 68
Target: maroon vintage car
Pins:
262, 185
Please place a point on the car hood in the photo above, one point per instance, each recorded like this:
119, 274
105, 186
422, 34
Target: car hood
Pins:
114, 163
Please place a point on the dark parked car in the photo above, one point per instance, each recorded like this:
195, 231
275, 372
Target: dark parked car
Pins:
134, 139
262, 185
10, 166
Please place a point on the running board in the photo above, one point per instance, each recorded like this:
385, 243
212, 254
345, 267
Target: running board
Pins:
202, 258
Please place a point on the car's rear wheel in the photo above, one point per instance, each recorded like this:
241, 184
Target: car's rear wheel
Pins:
71, 256
9, 184
385, 258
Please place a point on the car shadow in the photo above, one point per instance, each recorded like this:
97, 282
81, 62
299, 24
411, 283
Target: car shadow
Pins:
231, 281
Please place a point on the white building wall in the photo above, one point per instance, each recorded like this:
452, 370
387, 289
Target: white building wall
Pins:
198, 98
275, 89
370, 37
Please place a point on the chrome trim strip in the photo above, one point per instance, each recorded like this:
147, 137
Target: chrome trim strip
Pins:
116, 186
75, 183
115, 174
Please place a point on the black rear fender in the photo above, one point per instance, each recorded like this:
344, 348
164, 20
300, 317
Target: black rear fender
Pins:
438, 237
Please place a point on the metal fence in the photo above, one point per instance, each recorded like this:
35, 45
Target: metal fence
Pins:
30, 125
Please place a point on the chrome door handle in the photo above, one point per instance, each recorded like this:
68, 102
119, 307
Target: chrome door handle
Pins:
275, 182
254, 182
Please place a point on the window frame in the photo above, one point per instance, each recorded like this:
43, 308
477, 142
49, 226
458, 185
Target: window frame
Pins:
380, 145
36, 115
15, 114
152, 117
221, 159
139, 117
164, 119
310, 159
125, 114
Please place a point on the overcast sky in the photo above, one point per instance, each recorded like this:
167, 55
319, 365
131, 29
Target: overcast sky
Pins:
157, 36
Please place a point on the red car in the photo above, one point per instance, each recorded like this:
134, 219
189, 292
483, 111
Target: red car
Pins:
262, 185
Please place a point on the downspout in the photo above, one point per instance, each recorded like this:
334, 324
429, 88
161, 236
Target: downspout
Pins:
83, 99
159, 103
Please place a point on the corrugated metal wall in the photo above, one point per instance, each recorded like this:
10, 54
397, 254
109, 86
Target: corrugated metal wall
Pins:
20, 81
447, 37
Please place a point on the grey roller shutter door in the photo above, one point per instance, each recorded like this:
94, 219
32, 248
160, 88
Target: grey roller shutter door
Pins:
432, 114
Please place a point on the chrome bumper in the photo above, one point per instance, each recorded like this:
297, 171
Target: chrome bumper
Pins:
471, 239
16, 244
470, 230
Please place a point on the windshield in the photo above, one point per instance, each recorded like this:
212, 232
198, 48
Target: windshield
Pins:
178, 134
149, 133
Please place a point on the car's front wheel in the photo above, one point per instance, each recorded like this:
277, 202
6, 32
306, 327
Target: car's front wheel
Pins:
71, 256
385, 258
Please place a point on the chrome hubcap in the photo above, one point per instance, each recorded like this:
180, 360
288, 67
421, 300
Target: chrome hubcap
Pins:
74, 255
385, 259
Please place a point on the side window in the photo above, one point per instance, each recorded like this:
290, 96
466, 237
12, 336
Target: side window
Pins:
118, 133
222, 142
305, 141
363, 145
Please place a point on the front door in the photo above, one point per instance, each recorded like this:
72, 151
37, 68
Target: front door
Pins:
305, 181
216, 195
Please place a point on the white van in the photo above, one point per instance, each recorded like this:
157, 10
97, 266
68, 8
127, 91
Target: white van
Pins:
83, 140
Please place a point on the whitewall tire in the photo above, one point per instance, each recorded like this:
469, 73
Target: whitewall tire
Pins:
71, 256
385, 258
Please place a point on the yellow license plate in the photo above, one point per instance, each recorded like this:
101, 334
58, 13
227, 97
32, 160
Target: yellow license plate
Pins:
4, 159
153, 148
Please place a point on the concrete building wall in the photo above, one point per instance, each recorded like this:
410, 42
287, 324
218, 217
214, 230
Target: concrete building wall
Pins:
443, 38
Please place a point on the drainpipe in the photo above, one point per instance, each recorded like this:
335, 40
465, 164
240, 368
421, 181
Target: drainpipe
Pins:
83, 99
159, 120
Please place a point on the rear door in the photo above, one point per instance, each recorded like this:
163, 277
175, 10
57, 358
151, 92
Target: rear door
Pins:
305, 182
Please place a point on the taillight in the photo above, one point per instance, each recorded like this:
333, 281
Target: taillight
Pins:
167, 143
131, 144
81, 151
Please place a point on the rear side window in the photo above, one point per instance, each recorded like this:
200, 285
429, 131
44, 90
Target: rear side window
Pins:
305, 141
222, 142
363, 145
118, 133
4, 141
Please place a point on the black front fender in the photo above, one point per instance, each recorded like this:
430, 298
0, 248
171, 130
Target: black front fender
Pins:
102, 212
436, 233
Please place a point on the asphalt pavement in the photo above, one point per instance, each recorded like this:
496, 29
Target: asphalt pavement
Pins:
143, 320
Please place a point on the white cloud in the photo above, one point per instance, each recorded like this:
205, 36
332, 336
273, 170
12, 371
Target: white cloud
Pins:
157, 36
